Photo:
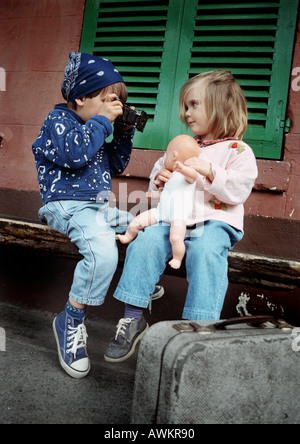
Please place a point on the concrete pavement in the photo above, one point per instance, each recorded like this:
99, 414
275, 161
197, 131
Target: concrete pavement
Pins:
35, 390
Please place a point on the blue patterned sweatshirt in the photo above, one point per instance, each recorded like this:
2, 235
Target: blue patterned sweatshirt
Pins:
73, 160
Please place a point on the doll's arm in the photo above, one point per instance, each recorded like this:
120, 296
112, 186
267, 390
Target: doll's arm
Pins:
202, 167
189, 173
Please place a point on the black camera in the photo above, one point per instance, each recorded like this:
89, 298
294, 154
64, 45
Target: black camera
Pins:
133, 117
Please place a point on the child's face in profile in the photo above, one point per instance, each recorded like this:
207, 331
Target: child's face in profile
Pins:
195, 111
92, 105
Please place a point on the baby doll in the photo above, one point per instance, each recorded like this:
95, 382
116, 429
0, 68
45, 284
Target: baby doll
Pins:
176, 199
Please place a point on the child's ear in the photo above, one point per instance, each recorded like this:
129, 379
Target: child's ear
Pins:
80, 101
175, 155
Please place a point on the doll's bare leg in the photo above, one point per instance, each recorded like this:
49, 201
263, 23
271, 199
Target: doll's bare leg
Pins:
140, 222
177, 235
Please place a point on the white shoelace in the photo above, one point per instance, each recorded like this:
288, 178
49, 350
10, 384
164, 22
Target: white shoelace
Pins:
123, 323
77, 338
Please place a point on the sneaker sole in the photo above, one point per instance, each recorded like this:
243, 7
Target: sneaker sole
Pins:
71, 372
131, 352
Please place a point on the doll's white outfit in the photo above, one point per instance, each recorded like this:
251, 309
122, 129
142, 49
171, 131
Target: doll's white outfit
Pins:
176, 200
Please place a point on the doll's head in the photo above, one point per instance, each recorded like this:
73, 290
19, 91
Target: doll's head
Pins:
181, 148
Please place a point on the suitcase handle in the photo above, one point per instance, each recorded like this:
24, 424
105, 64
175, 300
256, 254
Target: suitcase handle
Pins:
255, 321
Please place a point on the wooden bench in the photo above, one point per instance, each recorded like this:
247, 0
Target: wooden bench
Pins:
244, 268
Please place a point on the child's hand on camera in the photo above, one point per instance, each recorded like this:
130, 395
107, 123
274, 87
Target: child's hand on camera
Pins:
111, 108
124, 126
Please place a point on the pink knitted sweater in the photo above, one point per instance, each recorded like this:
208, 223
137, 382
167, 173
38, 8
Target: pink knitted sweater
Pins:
235, 170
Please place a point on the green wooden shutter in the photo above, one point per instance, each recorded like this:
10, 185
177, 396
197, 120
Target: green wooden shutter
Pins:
159, 44
141, 38
254, 40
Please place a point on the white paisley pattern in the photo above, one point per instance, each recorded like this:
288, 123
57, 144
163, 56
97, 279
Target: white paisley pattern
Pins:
71, 74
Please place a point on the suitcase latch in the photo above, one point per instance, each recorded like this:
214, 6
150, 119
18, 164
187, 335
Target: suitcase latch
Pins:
189, 327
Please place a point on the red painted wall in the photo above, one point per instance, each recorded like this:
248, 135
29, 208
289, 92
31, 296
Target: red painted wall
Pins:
292, 143
36, 37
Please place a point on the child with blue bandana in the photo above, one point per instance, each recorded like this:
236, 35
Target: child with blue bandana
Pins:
75, 164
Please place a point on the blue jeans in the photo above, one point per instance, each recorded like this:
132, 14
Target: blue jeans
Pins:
91, 226
206, 266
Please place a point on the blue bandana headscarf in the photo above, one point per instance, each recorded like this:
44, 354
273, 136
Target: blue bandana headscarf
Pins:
85, 74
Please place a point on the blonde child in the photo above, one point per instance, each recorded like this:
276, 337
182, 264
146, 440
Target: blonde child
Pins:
213, 106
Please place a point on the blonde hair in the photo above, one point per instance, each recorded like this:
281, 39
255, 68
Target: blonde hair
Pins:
224, 101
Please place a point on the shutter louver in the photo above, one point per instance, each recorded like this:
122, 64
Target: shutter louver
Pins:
132, 35
242, 37
141, 38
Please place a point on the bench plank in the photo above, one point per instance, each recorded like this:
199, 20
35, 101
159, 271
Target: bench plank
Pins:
244, 268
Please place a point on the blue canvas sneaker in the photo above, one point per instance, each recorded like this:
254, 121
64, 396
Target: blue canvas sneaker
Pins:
71, 339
